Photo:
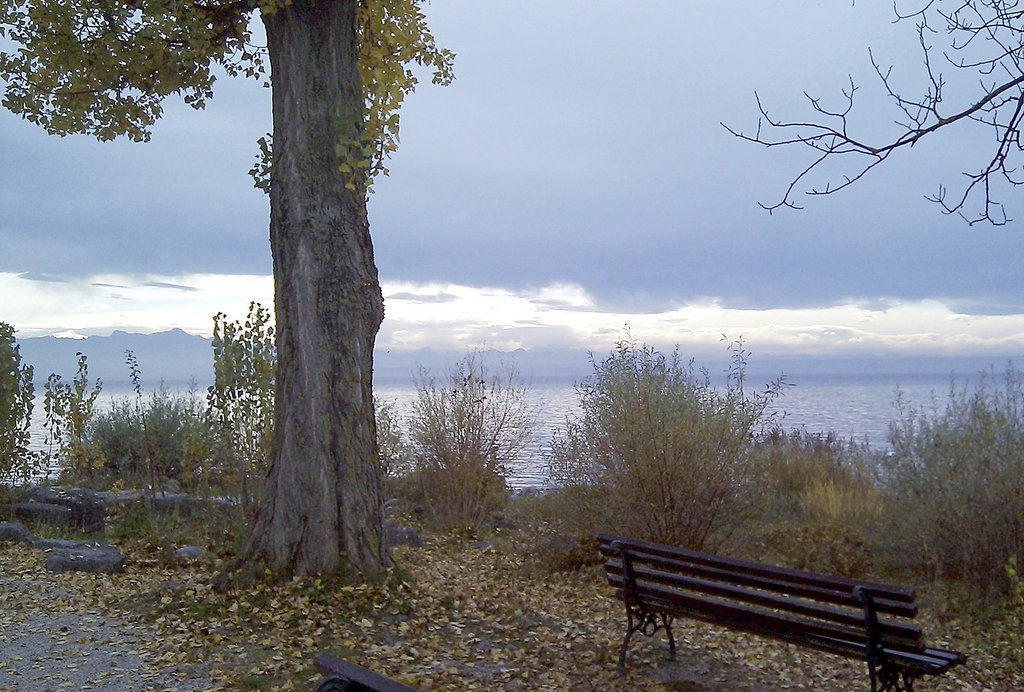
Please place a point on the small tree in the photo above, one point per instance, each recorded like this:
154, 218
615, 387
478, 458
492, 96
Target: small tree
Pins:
16, 392
465, 431
241, 399
69, 409
660, 453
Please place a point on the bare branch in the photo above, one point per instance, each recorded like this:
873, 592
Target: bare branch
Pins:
994, 27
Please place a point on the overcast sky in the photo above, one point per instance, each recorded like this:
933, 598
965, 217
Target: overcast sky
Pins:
574, 178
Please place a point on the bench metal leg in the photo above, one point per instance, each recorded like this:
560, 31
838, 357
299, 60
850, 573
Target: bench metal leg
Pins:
892, 680
884, 676
335, 684
646, 622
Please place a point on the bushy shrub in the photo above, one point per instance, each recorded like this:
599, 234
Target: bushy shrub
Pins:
820, 546
955, 482
164, 440
465, 430
392, 447
658, 452
17, 462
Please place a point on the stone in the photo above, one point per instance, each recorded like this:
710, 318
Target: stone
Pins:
15, 532
88, 511
188, 553
81, 556
172, 503
38, 512
396, 534
184, 505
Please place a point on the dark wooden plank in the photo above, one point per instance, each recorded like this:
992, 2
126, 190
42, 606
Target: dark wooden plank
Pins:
887, 591
746, 617
838, 596
953, 657
926, 661
906, 633
364, 680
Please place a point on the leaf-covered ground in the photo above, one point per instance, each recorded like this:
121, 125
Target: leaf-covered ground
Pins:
459, 615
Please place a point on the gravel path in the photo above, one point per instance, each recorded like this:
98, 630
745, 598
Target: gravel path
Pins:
53, 640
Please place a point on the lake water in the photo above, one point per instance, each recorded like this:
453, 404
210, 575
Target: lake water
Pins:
851, 406
853, 399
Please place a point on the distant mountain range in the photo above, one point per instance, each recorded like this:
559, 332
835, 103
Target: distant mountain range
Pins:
175, 357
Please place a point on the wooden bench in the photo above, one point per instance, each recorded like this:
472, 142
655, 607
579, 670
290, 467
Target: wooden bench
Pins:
344, 676
857, 619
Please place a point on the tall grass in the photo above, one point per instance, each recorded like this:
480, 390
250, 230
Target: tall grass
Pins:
821, 503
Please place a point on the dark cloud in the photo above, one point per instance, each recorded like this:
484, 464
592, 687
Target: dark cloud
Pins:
173, 287
180, 203
39, 276
581, 142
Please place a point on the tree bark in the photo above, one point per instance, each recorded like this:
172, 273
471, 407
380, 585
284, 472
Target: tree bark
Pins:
321, 509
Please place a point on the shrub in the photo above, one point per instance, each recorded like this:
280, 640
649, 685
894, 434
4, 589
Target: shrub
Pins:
164, 440
820, 546
660, 453
954, 483
464, 432
16, 392
817, 477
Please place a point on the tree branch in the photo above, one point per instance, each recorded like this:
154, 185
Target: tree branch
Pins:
993, 25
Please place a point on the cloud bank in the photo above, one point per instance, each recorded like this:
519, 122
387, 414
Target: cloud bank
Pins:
456, 317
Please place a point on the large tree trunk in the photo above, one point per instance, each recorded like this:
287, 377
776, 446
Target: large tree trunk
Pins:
322, 503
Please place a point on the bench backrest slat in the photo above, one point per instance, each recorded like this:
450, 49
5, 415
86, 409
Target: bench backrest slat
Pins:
838, 595
836, 589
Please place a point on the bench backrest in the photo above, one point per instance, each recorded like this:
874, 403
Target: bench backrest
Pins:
822, 611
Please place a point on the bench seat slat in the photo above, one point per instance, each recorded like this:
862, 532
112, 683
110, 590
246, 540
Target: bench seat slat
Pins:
894, 630
750, 618
927, 661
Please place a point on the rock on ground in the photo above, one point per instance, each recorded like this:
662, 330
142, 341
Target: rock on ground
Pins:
15, 532
86, 508
81, 556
